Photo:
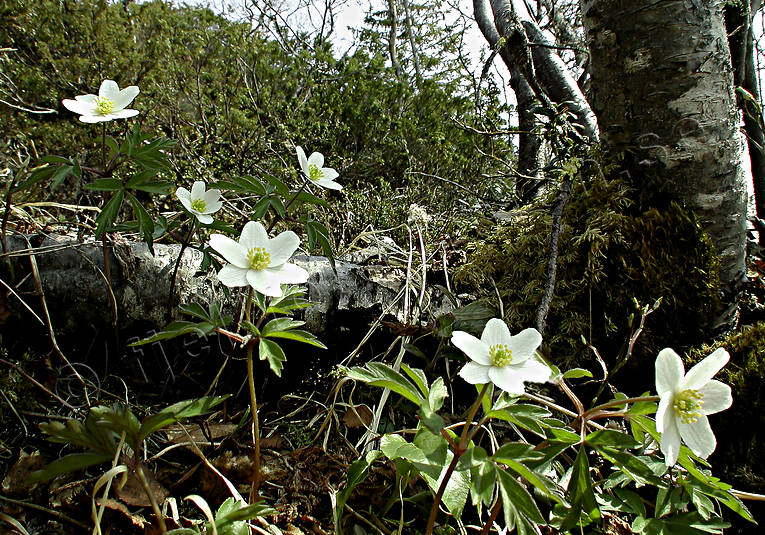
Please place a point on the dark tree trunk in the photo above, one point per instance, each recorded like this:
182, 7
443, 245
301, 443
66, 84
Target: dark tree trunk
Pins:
662, 82
529, 145
738, 18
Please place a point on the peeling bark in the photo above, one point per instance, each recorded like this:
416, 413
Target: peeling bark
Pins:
662, 82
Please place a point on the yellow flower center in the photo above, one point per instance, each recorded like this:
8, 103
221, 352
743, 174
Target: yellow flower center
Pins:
687, 406
104, 105
258, 258
314, 173
198, 205
500, 355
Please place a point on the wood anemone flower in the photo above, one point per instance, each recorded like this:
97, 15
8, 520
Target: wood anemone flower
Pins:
258, 260
199, 202
314, 170
686, 400
498, 357
109, 104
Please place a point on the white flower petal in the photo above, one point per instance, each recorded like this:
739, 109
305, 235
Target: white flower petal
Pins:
198, 190
282, 247
121, 114
316, 159
669, 371
203, 218
474, 373
507, 379
329, 184
213, 207
230, 250
211, 196
289, 274
302, 159
87, 98
698, 436
125, 97
329, 174
183, 193
665, 412
670, 442
186, 202
233, 276
472, 347
79, 107
716, 397
532, 370
495, 332
109, 89
95, 118
702, 372
264, 282
524, 344
253, 235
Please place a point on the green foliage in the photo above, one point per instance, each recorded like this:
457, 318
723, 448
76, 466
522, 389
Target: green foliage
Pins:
237, 103
611, 252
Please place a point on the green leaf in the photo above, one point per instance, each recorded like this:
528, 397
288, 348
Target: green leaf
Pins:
67, 464
281, 324
483, 475
357, 473
178, 411
298, 335
518, 499
530, 417
611, 439
280, 186
178, 328
581, 494
319, 233
104, 184
271, 351
60, 175
109, 213
379, 374
576, 373
145, 223
309, 198
545, 485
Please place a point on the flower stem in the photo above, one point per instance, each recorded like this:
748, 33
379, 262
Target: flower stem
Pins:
458, 451
152, 499
590, 413
286, 207
496, 508
255, 424
184, 244
110, 291
103, 146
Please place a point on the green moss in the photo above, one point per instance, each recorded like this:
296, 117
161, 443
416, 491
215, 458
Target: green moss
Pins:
741, 452
613, 249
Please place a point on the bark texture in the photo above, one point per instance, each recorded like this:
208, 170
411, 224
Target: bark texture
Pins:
530, 158
662, 82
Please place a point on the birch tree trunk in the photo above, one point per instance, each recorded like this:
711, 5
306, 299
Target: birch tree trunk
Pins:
661, 81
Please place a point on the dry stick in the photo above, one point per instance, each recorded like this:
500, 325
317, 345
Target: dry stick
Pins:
48, 323
461, 447
7, 214
552, 258
51, 512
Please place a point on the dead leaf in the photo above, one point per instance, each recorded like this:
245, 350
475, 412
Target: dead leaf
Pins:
358, 416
